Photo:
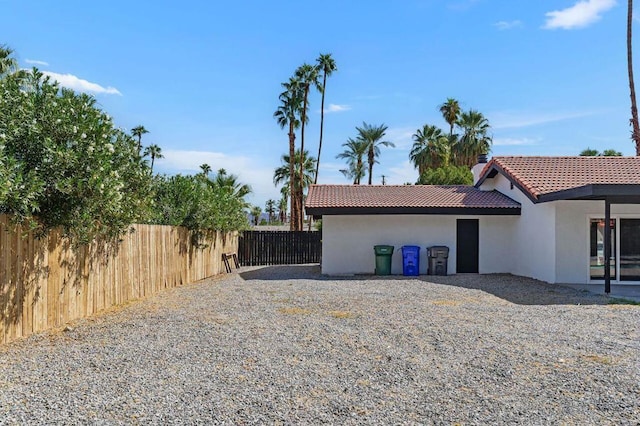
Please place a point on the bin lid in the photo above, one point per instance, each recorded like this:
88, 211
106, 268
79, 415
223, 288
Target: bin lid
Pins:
438, 251
382, 249
416, 248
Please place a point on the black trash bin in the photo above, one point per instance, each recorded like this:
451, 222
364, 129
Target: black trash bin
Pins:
438, 258
410, 260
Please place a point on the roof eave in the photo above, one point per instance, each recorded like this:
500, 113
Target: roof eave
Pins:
475, 211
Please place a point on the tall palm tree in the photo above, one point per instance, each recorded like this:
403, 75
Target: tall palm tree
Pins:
428, 149
475, 138
355, 149
287, 116
231, 184
307, 75
8, 63
153, 151
373, 135
635, 132
137, 132
450, 111
206, 169
270, 208
327, 65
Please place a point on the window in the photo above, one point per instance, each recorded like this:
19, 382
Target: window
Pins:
596, 262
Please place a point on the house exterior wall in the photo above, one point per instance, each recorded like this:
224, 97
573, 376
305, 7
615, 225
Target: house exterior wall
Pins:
347, 241
533, 236
572, 232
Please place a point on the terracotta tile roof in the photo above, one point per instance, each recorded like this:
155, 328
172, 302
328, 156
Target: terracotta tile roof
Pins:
326, 197
544, 175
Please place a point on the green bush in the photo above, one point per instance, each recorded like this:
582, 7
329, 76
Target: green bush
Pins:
447, 175
63, 163
197, 203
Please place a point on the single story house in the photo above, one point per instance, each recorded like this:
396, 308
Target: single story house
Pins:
538, 217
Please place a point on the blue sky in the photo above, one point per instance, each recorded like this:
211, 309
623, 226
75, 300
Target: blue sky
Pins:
204, 76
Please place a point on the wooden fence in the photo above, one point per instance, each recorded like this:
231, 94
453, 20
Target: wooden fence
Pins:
45, 283
279, 248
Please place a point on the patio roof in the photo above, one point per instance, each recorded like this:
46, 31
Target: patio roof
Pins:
407, 199
545, 179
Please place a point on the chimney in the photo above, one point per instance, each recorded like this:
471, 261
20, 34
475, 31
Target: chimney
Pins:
477, 169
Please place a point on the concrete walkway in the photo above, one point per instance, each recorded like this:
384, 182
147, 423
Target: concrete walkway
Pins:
626, 291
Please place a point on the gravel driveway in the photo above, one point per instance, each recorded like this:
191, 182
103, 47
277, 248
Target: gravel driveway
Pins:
286, 345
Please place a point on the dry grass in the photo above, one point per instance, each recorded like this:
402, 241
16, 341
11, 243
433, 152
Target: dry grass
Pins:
599, 359
342, 314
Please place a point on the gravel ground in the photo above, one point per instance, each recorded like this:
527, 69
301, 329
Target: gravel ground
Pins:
286, 345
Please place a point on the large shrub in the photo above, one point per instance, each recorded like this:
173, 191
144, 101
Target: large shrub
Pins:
63, 163
197, 203
447, 175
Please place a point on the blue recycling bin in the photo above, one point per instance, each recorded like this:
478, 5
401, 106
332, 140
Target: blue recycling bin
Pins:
410, 260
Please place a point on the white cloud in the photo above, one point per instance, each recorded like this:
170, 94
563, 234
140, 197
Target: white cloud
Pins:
402, 173
402, 137
248, 170
580, 15
337, 108
519, 120
70, 81
514, 142
508, 25
36, 62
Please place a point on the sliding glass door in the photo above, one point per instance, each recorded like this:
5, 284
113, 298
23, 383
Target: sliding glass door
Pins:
625, 241
629, 249
596, 262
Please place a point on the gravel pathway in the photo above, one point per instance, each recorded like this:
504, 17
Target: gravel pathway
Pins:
286, 345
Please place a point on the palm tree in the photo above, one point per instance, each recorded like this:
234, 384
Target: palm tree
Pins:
270, 208
282, 204
206, 169
281, 176
428, 149
137, 132
372, 135
328, 66
475, 138
153, 151
8, 63
231, 184
635, 132
307, 75
256, 211
354, 153
287, 116
450, 111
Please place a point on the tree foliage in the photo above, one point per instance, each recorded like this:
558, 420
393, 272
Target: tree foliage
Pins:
64, 163
446, 175
197, 203
590, 152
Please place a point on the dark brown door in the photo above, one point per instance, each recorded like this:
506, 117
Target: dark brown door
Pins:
467, 246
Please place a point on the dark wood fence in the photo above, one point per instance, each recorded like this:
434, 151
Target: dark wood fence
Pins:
279, 248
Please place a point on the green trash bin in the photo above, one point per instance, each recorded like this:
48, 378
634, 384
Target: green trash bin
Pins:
383, 259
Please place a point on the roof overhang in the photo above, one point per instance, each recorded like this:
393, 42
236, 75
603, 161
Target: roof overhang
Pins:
318, 212
616, 193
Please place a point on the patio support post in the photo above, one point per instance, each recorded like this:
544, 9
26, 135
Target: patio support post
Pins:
607, 246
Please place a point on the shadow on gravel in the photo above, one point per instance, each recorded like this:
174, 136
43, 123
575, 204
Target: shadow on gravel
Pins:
282, 272
514, 289
520, 290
